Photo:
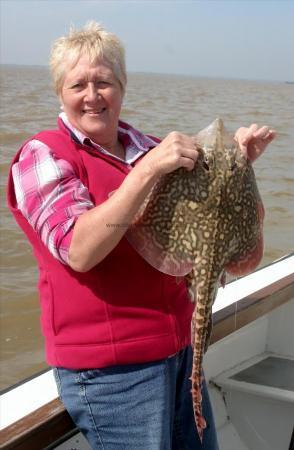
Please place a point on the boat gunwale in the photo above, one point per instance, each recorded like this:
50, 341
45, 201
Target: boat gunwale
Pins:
236, 315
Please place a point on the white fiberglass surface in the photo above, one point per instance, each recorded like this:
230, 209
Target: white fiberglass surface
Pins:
242, 287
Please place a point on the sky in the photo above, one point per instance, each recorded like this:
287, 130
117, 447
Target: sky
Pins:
252, 39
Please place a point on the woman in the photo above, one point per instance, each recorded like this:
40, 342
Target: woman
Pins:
116, 330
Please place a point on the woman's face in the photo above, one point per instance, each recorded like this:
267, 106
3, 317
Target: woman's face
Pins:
92, 98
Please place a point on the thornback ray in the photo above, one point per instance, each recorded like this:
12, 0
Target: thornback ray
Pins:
197, 225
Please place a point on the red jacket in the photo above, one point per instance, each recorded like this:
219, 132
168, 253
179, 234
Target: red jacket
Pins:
123, 310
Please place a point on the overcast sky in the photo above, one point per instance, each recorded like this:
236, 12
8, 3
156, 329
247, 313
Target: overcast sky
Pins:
252, 39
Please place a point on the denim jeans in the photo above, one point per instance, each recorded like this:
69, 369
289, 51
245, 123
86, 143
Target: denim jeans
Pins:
137, 407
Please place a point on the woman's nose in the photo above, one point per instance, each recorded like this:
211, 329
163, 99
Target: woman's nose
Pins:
92, 92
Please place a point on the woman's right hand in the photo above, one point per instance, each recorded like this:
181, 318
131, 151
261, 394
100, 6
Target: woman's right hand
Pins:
176, 150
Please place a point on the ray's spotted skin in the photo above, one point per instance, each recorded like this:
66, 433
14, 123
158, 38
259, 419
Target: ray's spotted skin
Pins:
199, 224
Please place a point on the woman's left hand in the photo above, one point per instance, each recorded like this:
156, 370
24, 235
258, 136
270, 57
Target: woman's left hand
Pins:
253, 140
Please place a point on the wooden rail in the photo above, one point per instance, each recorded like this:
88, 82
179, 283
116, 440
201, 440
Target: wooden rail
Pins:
50, 422
38, 429
250, 308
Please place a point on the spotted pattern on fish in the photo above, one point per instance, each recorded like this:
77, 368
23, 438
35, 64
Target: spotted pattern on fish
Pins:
200, 223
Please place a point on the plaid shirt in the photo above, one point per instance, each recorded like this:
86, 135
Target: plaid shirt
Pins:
49, 194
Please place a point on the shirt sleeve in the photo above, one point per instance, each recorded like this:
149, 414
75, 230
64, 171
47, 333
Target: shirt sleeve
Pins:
50, 196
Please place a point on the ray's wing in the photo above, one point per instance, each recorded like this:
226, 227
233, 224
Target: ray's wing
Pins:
159, 227
250, 229
246, 263
163, 231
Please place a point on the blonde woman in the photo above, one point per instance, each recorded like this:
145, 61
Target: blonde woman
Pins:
117, 331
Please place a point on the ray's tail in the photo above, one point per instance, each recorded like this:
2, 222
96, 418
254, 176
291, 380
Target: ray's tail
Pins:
198, 343
202, 291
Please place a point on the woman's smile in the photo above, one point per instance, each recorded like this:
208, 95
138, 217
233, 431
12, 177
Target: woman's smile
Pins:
93, 112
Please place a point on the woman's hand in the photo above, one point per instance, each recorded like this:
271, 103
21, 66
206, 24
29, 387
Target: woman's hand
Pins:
176, 150
253, 140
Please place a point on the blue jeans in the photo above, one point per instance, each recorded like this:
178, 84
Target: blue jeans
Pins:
137, 407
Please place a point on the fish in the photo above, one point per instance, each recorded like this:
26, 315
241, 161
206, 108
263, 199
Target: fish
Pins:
199, 225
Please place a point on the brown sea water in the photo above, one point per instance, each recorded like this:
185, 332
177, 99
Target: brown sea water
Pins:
156, 104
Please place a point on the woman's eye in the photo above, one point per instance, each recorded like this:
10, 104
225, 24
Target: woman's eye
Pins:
78, 85
102, 83
99, 84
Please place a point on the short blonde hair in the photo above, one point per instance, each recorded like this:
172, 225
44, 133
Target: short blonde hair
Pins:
92, 40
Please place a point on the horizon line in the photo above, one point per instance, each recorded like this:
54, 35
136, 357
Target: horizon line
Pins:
213, 77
